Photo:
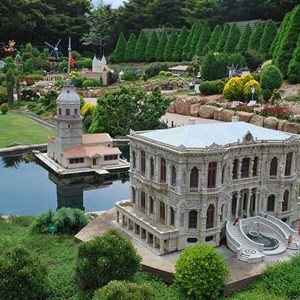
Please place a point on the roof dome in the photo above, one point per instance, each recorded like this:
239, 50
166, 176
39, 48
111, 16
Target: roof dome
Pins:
68, 94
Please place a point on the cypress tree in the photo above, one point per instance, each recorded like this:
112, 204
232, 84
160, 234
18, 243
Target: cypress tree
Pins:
232, 39
195, 40
289, 42
140, 48
256, 37
10, 80
222, 40
204, 39
120, 49
169, 49
243, 43
187, 45
151, 47
294, 65
177, 55
159, 54
267, 37
130, 48
210, 67
214, 38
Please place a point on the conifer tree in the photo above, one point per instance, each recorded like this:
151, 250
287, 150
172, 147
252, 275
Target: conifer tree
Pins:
169, 49
120, 49
232, 39
151, 47
177, 55
140, 48
294, 66
222, 40
267, 37
289, 42
204, 39
159, 54
195, 40
243, 43
187, 45
130, 48
255, 37
214, 38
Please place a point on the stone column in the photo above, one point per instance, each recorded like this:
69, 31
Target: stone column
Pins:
238, 204
248, 202
256, 201
117, 216
161, 248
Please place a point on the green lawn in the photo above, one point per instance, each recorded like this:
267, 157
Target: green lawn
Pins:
16, 129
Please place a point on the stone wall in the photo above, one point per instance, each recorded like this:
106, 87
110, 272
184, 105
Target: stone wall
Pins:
225, 115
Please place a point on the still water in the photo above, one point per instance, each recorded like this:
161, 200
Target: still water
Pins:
26, 188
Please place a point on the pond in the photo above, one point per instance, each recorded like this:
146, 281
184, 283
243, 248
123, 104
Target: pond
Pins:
29, 189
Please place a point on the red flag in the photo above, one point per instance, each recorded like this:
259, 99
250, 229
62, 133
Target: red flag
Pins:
71, 60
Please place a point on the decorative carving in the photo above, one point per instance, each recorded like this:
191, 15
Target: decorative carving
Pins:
214, 146
173, 200
193, 203
182, 220
292, 139
248, 138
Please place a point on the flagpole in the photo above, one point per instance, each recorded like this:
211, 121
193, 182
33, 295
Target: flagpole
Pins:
69, 49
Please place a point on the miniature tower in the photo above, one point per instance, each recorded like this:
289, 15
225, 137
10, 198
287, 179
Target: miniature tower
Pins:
68, 121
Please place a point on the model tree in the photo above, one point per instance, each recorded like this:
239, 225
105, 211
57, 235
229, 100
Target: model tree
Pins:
204, 39
195, 40
151, 47
187, 45
267, 37
130, 48
232, 39
170, 46
140, 49
214, 38
243, 43
159, 54
294, 66
222, 40
120, 49
255, 37
177, 54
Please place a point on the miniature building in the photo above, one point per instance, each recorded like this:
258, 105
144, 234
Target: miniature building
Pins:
186, 182
179, 69
70, 148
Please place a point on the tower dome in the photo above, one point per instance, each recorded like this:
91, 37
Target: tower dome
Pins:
68, 94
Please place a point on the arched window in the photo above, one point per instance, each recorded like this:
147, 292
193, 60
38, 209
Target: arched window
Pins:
273, 167
271, 203
133, 159
152, 167
285, 203
193, 219
212, 174
143, 202
288, 164
235, 169
143, 162
233, 204
133, 194
162, 169
194, 177
173, 176
172, 216
245, 167
223, 175
162, 212
210, 216
254, 167
151, 205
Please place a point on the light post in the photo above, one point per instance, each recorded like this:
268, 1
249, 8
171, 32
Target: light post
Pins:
253, 92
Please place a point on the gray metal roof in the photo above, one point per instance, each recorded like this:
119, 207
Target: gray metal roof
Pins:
204, 135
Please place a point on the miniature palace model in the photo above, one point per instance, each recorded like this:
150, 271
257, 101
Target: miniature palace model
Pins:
188, 182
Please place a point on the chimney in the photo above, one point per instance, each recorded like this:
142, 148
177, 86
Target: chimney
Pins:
192, 121
235, 119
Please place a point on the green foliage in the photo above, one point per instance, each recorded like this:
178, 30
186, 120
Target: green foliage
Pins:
266, 64
294, 65
3, 96
271, 78
237, 59
170, 46
200, 271
151, 47
63, 65
211, 87
267, 37
222, 40
130, 48
59, 82
4, 108
129, 75
248, 90
177, 54
232, 39
203, 40
10, 80
195, 40
106, 258
140, 48
159, 53
233, 89
254, 59
212, 67
128, 108
23, 275
154, 69
84, 63
90, 83
119, 290
267, 94
255, 37
214, 38
168, 74
187, 45
243, 43
120, 49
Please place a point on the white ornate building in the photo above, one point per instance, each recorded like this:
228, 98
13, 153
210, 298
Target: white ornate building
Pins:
186, 182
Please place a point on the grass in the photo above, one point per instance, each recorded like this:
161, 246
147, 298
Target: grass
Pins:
19, 130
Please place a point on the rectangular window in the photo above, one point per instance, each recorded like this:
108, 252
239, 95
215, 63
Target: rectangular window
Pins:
235, 169
172, 217
163, 170
143, 202
143, 163
75, 111
254, 167
162, 209
67, 111
59, 111
151, 206
245, 167
152, 167
288, 164
212, 174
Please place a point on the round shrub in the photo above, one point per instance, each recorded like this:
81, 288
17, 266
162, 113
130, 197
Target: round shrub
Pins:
23, 275
4, 108
168, 74
271, 78
266, 64
129, 75
87, 109
233, 89
119, 290
87, 121
246, 78
248, 90
163, 73
106, 258
211, 87
267, 94
63, 65
200, 271
59, 82
78, 81
90, 83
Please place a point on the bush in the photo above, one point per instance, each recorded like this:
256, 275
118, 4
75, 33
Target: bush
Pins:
211, 87
200, 271
118, 290
90, 83
87, 109
129, 75
163, 73
233, 89
87, 121
267, 94
106, 258
59, 82
23, 275
63, 65
168, 74
29, 95
3, 96
271, 78
248, 90
4, 108
155, 69
78, 81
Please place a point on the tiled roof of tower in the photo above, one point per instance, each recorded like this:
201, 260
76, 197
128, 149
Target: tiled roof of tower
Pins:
204, 135
90, 151
96, 138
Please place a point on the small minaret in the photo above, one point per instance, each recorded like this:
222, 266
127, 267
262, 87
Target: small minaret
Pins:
68, 121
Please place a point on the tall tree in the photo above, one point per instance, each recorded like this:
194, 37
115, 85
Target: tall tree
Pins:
204, 39
255, 37
130, 48
243, 43
170, 46
195, 40
267, 37
10, 80
222, 40
140, 48
151, 47
120, 49
159, 54
214, 38
177, 55
294, 65
232, 38
187, 45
